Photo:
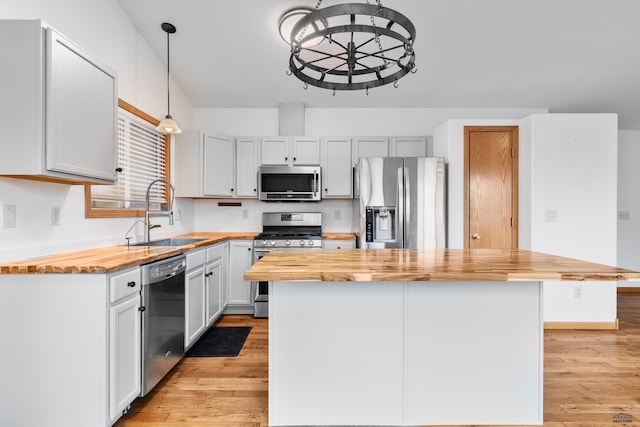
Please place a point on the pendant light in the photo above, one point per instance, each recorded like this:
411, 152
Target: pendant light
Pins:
168, 125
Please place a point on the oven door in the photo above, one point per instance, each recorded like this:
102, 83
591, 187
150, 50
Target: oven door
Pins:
261, 290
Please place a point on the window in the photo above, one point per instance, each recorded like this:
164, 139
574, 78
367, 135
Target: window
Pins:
143, 156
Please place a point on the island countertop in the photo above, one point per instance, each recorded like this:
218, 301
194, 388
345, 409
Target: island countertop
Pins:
366, 265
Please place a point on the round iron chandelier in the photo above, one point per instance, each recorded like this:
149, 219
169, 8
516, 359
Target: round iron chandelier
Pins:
350, 46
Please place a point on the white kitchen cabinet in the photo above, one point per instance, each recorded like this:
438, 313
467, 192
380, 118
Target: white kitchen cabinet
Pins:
338, 244
219, 157
225, 275
195, 295
408, 147
59, 111
290, 151
240, 260
80, 348
337, 174
369, 147
247, 155
124, 341
213, 283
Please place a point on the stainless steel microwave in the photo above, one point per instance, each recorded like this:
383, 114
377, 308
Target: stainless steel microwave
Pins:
289, 183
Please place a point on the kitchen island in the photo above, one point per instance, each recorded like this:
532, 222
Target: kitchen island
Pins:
405, 337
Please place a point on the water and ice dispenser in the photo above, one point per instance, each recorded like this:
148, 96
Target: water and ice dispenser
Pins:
381, 224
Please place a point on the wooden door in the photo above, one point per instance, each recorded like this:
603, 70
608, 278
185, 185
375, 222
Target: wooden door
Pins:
491, 187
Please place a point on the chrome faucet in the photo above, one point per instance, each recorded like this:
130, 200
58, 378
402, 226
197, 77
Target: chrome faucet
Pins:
148, 214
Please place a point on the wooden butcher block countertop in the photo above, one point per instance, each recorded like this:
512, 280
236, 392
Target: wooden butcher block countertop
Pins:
446, 265
112, 258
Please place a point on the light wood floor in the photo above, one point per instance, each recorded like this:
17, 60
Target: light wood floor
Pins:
590, 377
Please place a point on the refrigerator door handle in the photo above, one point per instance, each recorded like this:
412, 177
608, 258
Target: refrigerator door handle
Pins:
407, 201
400, 209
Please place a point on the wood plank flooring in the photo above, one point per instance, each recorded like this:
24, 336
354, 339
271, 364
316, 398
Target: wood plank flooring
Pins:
590, 378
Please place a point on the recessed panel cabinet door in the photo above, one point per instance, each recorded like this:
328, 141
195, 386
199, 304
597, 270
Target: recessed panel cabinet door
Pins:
337, 174
81, 113
219, 166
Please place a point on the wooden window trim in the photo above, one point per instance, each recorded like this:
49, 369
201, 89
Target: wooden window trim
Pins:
90, 212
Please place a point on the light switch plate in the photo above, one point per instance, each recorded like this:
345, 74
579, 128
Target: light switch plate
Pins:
8, 216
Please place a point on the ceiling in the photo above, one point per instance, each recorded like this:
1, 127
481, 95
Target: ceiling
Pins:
571, 56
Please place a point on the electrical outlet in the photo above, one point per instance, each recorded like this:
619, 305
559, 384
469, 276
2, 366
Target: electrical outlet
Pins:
8, 216
245, 214
577, 291
178, 215
55, 215
551, 215
623, 215
337, 214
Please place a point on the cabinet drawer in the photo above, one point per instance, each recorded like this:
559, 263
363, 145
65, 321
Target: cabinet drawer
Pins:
196, 258
214, 253
124, 284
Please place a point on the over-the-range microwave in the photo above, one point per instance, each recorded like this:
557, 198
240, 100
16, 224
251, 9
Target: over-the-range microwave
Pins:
289, 183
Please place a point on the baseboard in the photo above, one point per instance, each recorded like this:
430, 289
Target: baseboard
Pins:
627, 289
582, 325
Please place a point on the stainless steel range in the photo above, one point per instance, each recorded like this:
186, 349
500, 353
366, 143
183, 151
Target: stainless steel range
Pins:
284, 231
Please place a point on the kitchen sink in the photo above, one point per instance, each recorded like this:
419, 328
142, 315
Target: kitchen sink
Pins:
169, 242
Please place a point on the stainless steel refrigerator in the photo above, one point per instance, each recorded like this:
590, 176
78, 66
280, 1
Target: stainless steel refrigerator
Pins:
402, 202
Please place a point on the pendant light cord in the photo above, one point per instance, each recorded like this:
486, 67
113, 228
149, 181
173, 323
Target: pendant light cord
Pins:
168, 61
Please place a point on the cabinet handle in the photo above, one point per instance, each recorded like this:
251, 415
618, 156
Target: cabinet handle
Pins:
131, 284
294, 159
255, 189
118, 169
286, 158
249, 249
326, 189
232, 190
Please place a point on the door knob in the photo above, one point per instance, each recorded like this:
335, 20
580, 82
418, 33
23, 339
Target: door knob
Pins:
476, 236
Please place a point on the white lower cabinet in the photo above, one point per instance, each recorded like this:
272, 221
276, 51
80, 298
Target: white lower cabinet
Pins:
77, 363
204, 295
124, 357
194, 296
240, 260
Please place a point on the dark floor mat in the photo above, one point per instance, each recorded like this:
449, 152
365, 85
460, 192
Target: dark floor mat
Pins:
220, 342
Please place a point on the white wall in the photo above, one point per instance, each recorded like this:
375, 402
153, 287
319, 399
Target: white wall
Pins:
629, 200
569, 164
103, 29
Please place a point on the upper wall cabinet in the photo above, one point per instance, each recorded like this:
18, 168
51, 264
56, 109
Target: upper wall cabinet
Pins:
337, 176
210, 165
59, 108
369, 147
290, 151
247, 154
408, 147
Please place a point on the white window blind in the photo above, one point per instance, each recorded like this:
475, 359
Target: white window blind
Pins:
142, 157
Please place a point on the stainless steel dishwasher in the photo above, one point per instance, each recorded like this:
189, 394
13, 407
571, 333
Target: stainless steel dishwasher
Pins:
163, 323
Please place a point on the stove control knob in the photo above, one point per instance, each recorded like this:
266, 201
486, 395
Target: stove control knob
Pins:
310, 243
273, 243
301, 242
264, 243
287, 243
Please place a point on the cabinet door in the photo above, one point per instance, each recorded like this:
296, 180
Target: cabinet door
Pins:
247, 167
219, 166
194, 305
337, 172
275, 151
81, 136
240, 259
408, 147
124, 355
214, 291
306, 151
370, 147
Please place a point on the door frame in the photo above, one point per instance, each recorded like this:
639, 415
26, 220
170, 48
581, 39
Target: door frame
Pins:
514, 178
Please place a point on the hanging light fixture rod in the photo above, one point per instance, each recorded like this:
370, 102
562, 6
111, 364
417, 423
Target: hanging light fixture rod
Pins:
168, 125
